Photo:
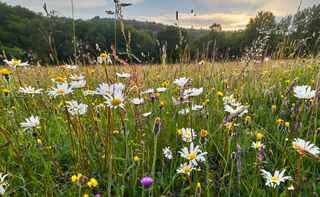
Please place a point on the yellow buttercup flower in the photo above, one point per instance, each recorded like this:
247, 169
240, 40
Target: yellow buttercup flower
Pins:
280, 121
85, 195
74, 178
179, 132
203, 133
5, 71
287, 124
136, 158
220, 94
259, 136
92, 183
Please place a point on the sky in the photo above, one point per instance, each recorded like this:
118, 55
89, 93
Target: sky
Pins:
231, 14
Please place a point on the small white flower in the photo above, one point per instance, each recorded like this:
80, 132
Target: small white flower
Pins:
78, 84
185, 168
71, 67
14, 63
184, 111
77, 77
304, 92
75, 108
137, 101
291, 188
123, 75
89, 93
162, 89
30, 123
181, 82
3, 184
61, 89
257, 145
167, 153
236, 109
303, 147
188, 134
197, 107
192, 92
276, 179
29, 90
193, 154
148, 91
146, 114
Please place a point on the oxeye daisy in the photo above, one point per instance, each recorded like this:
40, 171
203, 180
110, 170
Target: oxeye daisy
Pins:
181, 82
116, 98
29, 90
167, 153
137, 101
192, 92
257, 145
193, 154
276, 179
187, 134
15, 63
75, 108
3, 184
304, 92
123, 75
60, 90
31, 122
185, 168
304, 147
78, 84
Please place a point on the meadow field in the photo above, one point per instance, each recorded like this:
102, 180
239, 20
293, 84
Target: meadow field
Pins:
223, 129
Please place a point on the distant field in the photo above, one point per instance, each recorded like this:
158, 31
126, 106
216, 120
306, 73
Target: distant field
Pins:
246, 121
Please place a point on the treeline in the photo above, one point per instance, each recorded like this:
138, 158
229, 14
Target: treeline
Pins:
49, 39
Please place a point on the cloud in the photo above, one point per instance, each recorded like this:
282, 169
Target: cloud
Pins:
229, 21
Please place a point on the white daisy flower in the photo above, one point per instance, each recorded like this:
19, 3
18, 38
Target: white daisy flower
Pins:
304, 92
184, 111
15, 63
181, 82
123, 75
304, 147
193, 154
161, 89
75, 108
116, 98
146, 114
236, 109
257, 145
29, 90
137, 101
61, 90
148, 91
276, 179
192, 92
77, 77
185, 168
197, 107
78, 84
3, 184
89, 92
188, 134
167, 153
31, 122
71, 67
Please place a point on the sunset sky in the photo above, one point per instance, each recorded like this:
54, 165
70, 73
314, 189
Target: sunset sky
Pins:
232, 14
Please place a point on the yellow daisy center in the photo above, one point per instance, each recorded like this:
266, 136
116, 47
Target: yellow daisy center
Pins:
186, 169
116, 101
60, 91
274, 179
192, 155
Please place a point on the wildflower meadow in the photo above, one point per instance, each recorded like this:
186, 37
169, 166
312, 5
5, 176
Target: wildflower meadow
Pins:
224, 129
